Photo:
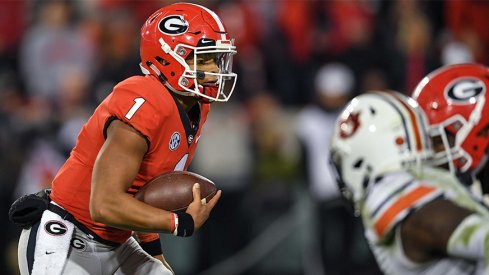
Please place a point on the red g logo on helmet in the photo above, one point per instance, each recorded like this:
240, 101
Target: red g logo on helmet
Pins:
453, 98
173, 25
350, 125
463, 89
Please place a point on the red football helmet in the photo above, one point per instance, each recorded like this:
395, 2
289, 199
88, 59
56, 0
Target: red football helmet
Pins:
181, 31
454, 100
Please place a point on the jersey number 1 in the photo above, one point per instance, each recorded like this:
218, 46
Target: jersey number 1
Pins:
137, 104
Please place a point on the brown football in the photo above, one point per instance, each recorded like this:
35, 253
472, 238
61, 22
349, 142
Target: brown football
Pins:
173, 191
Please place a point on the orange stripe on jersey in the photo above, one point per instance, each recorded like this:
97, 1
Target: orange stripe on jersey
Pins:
401, 204
414, 123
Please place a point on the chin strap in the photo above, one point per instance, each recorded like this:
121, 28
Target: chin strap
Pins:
203, 89
163, 80
143, 69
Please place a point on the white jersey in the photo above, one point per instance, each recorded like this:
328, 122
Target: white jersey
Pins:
392, 198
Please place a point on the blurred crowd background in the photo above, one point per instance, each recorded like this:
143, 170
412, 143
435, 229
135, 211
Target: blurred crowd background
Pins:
298, 62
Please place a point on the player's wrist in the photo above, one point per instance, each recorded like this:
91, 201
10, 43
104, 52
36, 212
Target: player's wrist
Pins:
182, 224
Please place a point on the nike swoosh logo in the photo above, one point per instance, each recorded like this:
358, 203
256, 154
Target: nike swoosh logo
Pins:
48, 253
205, 41
197, 139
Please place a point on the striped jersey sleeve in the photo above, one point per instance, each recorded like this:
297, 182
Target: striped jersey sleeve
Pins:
391, 199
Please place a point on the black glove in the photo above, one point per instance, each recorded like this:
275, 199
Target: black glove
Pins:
28, 209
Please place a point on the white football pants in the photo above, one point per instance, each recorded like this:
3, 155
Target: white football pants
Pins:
89, 257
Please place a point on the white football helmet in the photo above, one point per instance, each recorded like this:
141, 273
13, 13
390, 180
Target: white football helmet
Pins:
376, 133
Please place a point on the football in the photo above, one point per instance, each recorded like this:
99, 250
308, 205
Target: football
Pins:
173, 191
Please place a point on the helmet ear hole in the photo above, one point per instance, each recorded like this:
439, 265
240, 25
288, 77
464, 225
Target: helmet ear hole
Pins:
484, 132
162, 61
157, 71
358, 163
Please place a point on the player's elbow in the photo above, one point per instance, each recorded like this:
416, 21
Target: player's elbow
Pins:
96, 215
99, 211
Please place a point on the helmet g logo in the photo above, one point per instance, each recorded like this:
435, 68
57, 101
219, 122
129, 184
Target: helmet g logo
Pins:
463, 89
173, 25
78, 243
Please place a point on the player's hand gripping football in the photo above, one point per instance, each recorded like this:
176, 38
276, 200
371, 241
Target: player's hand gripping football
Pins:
199, 209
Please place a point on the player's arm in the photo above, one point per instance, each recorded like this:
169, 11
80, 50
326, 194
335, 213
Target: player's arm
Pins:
426, 232
115, 168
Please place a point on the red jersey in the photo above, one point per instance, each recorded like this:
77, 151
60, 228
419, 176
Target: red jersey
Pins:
145, 104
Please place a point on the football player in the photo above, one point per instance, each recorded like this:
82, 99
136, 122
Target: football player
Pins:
454, 100
147, 126
419, 219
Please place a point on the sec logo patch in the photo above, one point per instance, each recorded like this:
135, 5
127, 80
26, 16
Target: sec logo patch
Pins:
174, 141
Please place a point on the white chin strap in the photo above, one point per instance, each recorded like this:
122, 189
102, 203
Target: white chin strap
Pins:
143, 69
167, 85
